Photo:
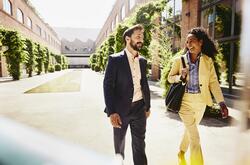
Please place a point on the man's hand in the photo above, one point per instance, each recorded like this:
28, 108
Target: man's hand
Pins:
147, 113
224, 110
115, 120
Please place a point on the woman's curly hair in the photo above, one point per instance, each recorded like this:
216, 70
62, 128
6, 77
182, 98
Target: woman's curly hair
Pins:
208, 46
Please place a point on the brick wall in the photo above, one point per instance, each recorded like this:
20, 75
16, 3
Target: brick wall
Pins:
107, 27
48, 37
190, 17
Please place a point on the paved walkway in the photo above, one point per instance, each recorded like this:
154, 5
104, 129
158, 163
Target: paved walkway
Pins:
78, 117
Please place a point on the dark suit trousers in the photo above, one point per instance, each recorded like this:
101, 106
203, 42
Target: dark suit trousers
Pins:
137, 121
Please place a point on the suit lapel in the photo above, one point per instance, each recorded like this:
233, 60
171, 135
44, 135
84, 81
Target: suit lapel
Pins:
126, 66
141, 66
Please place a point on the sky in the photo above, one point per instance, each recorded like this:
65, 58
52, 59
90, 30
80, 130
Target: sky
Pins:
74, 13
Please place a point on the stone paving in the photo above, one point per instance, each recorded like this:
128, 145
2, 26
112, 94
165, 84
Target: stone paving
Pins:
78, 117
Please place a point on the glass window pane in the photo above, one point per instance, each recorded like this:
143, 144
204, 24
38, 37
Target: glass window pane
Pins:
204, 2
39, 30
112, 25
238, 77
131, 4
123, 12
178, 7
7, 7
207, 20
238, 16
29, 23
116, 20
223, 19
170, 9
223, 64
20, 15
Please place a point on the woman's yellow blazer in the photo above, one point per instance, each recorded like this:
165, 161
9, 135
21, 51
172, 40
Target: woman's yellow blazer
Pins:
207, 78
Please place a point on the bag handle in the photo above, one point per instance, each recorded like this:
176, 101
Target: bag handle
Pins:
183, 62
184, 66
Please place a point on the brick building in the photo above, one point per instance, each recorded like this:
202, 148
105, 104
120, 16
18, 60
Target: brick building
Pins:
221, 19
21, 16
121, 10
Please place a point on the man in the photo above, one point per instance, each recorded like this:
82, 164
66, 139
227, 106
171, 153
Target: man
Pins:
127, 95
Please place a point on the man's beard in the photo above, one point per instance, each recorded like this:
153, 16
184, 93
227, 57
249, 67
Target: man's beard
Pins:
136, 46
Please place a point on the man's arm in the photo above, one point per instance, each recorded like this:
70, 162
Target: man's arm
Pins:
146, 90
109, 86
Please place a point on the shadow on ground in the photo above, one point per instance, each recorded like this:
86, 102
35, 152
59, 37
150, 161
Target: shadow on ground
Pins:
207, 121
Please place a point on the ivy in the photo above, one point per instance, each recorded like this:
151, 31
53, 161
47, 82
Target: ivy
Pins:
30, 61
25, 52
15, 55
40, 59
145, 15
46, 60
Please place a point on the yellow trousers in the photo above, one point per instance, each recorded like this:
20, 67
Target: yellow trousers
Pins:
191, 112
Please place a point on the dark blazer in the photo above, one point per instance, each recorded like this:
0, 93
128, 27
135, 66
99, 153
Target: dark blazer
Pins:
118, 84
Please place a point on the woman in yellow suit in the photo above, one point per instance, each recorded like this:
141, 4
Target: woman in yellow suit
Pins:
201, 80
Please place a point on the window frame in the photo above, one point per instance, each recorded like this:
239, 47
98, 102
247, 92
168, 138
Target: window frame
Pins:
7, 7
20, 18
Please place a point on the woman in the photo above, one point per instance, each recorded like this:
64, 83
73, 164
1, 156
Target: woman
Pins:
201, 79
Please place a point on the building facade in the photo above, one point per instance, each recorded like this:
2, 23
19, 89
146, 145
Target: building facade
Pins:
220, 18
20, 15
78, 52
121, 10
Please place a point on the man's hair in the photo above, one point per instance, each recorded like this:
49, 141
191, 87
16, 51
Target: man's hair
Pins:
130, 31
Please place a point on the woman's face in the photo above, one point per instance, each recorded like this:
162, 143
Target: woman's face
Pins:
193, 44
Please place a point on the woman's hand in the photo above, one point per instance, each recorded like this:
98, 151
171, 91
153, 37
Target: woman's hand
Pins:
224, 110
184, 73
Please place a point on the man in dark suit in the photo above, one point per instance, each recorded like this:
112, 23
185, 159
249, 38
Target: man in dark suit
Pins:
127, 95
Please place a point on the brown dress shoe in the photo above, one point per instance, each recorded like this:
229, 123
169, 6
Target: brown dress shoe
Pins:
181, 158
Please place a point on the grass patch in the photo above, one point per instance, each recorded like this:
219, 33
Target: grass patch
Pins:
70, 82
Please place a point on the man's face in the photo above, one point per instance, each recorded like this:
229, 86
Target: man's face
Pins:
136, 40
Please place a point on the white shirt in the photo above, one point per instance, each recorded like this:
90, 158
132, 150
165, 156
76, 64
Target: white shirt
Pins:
136, 75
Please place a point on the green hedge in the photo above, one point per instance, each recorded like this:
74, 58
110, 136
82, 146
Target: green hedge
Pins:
33, 56
58, 67
16, 53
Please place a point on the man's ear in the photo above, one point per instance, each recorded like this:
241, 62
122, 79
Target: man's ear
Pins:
127, 38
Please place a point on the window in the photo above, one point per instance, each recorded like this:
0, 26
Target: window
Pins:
112, 25
20, 15
7, 6
116, 20
39, 30
29, 23
222, 20
131, 4
171, 18
173, 8
123, 12
44, 35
